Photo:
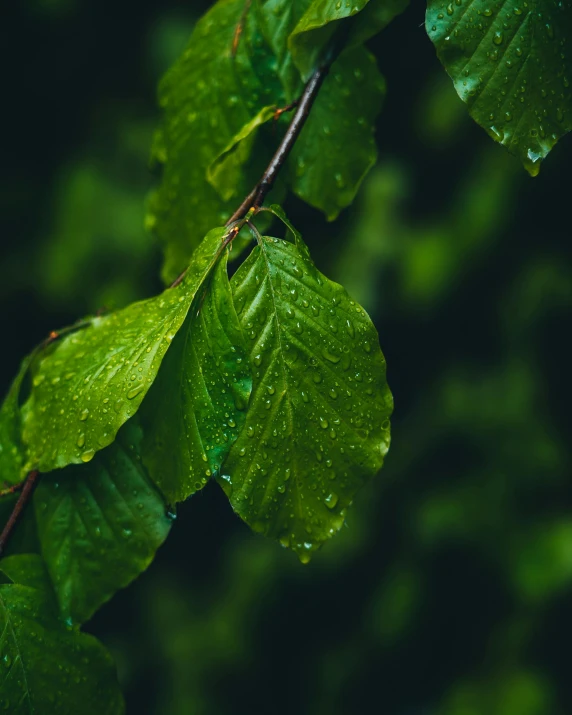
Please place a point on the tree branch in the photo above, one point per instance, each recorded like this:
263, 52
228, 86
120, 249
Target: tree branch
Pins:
25, 496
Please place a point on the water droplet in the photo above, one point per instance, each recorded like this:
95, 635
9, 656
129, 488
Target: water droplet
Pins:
88, 455
84, 415
81, 440
132, 394
331, 500
330, 356
498, 38
324, 423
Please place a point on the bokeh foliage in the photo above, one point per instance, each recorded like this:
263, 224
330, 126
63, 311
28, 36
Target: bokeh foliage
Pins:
449, 593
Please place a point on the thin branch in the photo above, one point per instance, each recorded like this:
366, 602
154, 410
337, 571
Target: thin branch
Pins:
12, 489
256, 197
27, 490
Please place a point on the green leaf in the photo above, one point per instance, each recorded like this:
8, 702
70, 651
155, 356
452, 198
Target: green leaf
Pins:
336, 148
208, 97
225, 172
47, 667
28, 570
196, 408
99, 525
510, 63
315, 30
95, 379
317, 427
11, 449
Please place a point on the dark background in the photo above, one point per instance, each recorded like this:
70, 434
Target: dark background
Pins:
450, 590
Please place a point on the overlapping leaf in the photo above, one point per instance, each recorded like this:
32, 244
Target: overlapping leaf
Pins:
99, 525
318, 422
208, 97
95, 379
47, 667
196, 408
511, 62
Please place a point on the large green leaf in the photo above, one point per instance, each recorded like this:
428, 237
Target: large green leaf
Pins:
196, 408
318, 422
375, 16
511, 62
337, 148
207, 97
99, 525
95, 379
46, 667
11, 448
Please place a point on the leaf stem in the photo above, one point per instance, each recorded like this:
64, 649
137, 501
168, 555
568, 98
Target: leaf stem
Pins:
28, 487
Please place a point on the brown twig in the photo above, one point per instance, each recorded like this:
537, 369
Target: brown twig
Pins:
28, 487
256, 197
240, 28
12, 489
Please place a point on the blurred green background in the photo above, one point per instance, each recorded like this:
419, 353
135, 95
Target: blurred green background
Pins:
450, 590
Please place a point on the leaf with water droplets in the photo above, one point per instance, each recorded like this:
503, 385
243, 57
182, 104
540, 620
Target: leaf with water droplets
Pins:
96, 378
196, 408
511, 62
99, 525
45, 666
337, 148
208, 98
317, 426
12, 452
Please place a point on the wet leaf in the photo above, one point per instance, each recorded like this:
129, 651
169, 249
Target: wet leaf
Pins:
47, 667
317, 427
196, 408
12, 452
208, 97
96, 379
99, 525
511, 63
337, 148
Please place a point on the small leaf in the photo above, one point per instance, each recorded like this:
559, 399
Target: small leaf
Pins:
99, 525
318, 422
509, 62
315, 30
28, 570
225, 172
95, 379
196, 408
208, 97
47, 667
336, 148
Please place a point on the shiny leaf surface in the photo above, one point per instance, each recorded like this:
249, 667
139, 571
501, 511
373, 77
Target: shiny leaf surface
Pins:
511, 62
196, 408
317, 427
95, 379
